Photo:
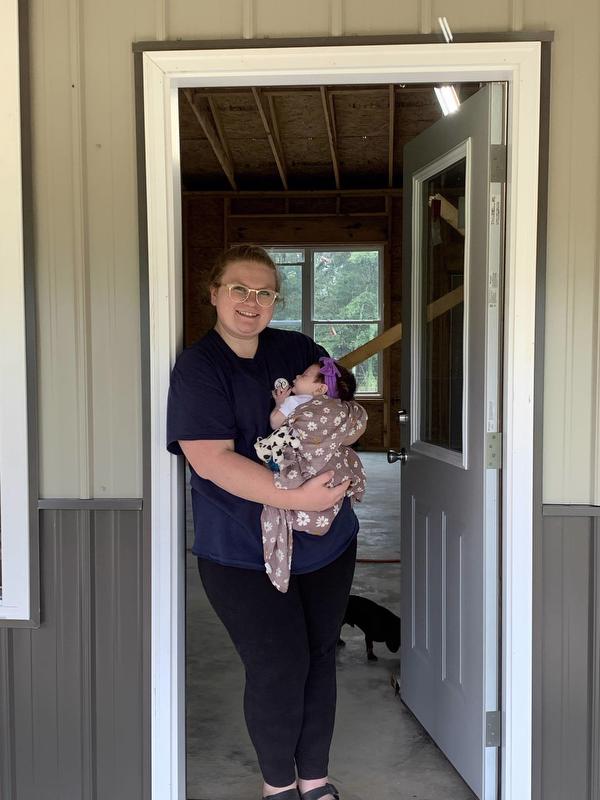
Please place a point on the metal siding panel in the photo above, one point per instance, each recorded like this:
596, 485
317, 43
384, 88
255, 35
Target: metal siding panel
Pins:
289, 18
565, 662
571, 388
55, 235
465, 15
381, 16
73, 694
119, 655
189, 19
111, 215
595, 666
7, 729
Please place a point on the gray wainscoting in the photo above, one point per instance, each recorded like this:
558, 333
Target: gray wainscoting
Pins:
74, 698
567, 665
73, 694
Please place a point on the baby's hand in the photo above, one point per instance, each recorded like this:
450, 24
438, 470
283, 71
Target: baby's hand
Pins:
279, 395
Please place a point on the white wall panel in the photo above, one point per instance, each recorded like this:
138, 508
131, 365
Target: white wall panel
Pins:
470, 15
570, 400
59, 237
112, 241
384, 16
86, 245
86, 223
292, 18
189, 19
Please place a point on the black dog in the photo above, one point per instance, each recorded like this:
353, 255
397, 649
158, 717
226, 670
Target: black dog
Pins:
376, 622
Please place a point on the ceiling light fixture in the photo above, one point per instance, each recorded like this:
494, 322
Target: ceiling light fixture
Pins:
447, 98
443, 23
446, 95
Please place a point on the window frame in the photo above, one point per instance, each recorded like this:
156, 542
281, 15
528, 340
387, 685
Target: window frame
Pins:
19, 600
308, 319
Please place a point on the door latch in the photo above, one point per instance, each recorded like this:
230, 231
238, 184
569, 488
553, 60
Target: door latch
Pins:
394, 455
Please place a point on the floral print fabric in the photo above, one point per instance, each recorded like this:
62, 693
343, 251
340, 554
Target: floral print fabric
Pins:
321, 428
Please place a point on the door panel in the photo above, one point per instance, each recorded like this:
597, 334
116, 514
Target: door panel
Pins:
450, 386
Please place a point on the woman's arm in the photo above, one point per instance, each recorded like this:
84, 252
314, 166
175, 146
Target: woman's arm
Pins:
217, 461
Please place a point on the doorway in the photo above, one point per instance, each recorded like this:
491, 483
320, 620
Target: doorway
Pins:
164, 73
315, 175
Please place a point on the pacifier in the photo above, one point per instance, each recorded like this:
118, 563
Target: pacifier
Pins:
281, 383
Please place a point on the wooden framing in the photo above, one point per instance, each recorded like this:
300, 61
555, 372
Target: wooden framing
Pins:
220, 130
272, 141
331, 135
392, 98
210, 130
448, 212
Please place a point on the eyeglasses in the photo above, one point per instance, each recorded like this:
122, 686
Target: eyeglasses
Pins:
240, 293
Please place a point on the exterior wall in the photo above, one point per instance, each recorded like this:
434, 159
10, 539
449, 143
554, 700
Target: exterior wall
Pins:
86, 230
567, 645
91, 652
73, 721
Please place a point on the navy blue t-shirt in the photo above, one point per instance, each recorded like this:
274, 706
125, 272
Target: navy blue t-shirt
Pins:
216, 394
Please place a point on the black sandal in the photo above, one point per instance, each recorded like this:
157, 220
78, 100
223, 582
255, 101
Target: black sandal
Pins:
289, 794
321, 791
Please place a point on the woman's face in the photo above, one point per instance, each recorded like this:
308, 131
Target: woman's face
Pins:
247, 319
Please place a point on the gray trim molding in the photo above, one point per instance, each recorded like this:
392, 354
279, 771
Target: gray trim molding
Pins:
91, 504
538, 415
326, 41
554, 510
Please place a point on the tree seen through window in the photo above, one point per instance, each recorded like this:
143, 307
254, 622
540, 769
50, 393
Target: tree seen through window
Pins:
343, 310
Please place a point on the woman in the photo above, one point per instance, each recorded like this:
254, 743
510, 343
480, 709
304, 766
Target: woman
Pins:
219, 403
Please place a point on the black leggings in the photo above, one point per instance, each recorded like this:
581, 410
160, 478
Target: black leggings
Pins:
287, 643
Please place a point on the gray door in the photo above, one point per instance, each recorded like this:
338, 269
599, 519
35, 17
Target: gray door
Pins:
453, 232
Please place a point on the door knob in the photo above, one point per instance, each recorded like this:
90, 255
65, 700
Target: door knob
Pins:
402, 416
394, 455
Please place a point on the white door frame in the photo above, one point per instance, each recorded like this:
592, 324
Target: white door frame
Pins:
164, 72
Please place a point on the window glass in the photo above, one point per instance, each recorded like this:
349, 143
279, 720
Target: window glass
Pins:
442, 308
341, 307
346, 285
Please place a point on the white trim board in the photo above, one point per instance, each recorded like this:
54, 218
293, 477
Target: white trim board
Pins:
164, 72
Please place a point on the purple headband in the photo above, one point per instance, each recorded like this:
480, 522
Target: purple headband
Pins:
331, 373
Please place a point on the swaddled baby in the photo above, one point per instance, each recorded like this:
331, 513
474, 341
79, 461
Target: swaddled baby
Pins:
316, 420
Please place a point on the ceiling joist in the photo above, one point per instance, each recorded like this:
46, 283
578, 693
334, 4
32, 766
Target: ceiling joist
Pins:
219, 126
210, 129
330, 125
276, 134
392, 96
277, 154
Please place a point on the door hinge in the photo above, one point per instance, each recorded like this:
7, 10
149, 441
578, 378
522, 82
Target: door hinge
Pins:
493, 729
497, 163
493, 451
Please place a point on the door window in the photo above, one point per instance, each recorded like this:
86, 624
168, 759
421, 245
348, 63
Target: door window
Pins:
438, 308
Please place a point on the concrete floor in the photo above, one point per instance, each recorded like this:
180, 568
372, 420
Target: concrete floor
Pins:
380, 752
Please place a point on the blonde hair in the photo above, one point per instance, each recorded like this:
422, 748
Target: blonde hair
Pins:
242, 252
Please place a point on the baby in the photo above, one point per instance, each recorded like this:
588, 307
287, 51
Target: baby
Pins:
316, 420
312, 383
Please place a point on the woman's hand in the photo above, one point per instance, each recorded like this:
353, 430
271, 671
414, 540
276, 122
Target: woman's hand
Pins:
317, 495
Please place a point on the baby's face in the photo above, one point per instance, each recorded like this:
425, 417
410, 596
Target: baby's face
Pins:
308, 382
